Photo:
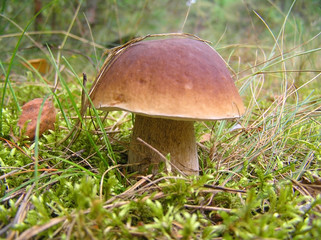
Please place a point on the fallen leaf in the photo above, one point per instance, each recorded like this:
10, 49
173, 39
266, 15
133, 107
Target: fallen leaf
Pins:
205, 137
40, 64
28, 119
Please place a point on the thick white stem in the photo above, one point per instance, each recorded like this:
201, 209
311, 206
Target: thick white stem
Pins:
173, 137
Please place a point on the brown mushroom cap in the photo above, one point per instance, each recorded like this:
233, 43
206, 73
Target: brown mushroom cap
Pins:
176, 78
30, 112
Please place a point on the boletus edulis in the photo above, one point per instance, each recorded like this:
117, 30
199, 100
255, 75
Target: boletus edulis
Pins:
168, 84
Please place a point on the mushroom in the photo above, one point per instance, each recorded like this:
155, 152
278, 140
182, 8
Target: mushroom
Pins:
29, 117
168, 84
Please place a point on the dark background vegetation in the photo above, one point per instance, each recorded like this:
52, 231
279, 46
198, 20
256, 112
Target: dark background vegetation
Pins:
111, 22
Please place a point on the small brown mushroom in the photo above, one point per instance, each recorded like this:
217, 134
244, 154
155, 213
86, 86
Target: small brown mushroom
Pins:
29, 116
168, 84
